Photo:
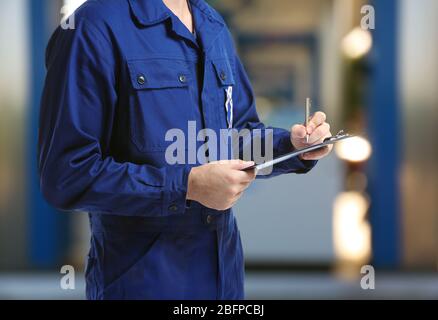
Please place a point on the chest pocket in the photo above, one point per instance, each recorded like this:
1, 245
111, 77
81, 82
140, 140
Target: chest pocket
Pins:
225, 80
160, 101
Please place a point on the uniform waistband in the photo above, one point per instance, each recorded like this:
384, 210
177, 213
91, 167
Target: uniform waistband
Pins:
193, 219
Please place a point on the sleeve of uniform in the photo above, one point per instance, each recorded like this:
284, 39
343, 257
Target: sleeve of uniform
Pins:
245, 115
76, 118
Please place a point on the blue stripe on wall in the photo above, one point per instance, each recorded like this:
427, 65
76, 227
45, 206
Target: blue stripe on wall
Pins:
385, 134
48, 229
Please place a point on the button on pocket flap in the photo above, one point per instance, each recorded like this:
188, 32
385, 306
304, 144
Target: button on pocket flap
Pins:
224, 72
158, 73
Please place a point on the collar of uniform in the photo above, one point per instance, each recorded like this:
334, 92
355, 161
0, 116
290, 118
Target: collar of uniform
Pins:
202, 6
150, 12
208, 23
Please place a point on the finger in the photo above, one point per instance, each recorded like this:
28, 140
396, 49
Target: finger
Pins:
250, 175
238, 164
245, 184
298, 131
317, 119
227, 162
245, 177
236, 198
320, 132
317, 154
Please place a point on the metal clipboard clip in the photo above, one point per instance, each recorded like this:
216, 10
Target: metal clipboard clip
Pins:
339, 136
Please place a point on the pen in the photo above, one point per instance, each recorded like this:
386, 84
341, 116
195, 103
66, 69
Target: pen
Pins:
306, 120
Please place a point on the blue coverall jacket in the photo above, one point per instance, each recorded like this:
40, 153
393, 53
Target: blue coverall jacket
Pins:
128, 72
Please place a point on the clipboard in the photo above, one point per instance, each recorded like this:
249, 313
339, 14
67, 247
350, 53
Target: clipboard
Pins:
328, 141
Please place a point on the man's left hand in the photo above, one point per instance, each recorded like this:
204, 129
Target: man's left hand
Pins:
318, 130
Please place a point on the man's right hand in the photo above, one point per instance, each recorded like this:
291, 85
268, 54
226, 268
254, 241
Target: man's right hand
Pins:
218, 185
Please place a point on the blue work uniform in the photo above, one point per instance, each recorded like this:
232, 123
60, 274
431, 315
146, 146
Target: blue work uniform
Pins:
127, 73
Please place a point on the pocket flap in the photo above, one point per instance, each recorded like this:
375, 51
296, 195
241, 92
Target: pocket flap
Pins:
224, 72
158, 73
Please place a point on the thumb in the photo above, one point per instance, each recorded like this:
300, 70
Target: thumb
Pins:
298, 131
240, 164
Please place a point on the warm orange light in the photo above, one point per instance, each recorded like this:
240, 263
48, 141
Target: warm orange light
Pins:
356, 149
357, 43
352, 233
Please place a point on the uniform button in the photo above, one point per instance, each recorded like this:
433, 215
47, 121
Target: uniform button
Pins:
141, 79
173, 207
209, 219
182, 78
223, 76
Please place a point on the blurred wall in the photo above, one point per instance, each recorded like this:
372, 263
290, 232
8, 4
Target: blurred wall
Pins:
14, 81
419, 87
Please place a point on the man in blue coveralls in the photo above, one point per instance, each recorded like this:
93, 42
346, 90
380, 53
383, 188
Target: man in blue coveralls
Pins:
127, 73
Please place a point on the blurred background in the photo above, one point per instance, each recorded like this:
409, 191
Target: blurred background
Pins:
372, 202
